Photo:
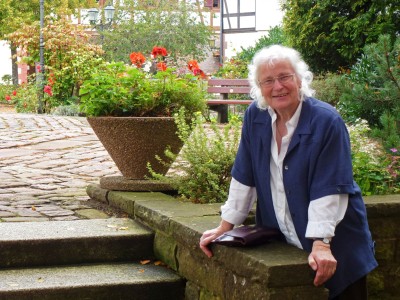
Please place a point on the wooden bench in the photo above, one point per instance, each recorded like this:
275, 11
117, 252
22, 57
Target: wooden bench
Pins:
225, 87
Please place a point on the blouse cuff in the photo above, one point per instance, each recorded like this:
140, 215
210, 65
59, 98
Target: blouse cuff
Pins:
320, 229
232, 216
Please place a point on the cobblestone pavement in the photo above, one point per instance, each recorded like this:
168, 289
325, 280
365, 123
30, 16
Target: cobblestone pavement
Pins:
46, 162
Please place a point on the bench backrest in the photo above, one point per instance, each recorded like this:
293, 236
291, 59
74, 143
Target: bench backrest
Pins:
228, 86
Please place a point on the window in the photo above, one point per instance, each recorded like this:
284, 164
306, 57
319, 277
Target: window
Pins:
238, 16
211, 3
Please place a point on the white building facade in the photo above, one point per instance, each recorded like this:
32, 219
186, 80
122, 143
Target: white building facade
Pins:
245, 22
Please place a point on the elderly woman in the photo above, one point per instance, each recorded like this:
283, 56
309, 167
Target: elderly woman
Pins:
294, 158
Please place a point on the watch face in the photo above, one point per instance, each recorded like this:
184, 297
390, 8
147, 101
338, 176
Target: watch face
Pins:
324, 240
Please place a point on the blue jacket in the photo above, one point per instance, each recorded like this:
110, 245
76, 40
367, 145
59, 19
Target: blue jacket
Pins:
317, 164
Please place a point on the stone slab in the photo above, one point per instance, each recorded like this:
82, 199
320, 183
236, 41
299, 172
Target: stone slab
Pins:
72, 242
69, 229
57, 144
19, 152
96, 281
91, 214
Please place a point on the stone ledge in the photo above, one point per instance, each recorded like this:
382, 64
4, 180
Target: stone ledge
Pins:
271, 271
275, 268
382, 205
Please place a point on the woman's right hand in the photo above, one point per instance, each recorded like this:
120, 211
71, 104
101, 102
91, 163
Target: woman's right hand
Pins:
210, 235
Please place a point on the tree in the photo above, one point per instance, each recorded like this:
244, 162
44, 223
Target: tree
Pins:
16, 13
331, 34
275, 36
375, 82
141, 25
69, 57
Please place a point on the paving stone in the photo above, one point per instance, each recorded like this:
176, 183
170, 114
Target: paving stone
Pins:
92, 214
57, 213
25, 219
28, 213
46, 162
31, 202
67, 218
6, 214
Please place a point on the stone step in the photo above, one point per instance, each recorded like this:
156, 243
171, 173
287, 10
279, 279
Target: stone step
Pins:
92, 281
73, 242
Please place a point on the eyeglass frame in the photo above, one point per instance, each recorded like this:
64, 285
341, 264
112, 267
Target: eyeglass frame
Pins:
273, 79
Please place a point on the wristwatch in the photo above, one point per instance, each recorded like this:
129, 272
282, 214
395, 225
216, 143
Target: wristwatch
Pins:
324, 240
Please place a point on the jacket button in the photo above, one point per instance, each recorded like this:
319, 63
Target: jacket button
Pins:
338, 189
286, 167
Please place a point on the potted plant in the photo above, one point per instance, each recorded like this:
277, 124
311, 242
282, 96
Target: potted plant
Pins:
131, 108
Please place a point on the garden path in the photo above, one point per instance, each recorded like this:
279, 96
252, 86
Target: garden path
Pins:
46, 162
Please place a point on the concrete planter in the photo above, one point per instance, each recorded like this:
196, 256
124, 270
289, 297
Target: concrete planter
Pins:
132, 142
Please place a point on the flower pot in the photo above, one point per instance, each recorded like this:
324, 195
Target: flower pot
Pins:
132, 142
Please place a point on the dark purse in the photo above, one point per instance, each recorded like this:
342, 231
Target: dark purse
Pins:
248, 235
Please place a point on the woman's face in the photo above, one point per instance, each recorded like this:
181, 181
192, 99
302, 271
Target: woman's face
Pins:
280, 86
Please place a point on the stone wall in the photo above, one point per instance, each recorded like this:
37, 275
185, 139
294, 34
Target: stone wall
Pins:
384, 222
271, 271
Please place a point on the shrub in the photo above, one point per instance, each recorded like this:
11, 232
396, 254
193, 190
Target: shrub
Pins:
329, 87
6, 91
202, 172
26, 100
389, 133
66, 110
370, 164
375, 83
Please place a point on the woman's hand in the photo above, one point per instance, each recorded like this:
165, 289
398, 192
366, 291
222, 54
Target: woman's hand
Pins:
210, 235
322, 261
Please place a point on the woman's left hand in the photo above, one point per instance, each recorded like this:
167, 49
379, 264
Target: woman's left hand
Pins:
322, 261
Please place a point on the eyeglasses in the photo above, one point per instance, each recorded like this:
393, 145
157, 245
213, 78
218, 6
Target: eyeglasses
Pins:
281, 79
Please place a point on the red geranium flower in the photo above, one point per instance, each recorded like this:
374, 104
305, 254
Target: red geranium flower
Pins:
8, 97
159, 51
199, 73
47, 90
137, 59
162, 66
192, 64
14, 93
51, 79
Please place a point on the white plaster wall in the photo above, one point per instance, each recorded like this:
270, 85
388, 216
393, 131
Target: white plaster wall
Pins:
268, 15
5, 59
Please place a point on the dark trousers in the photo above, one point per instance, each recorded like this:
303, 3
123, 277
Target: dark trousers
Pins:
355, 291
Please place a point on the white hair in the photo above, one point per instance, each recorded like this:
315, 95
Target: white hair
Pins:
269, 56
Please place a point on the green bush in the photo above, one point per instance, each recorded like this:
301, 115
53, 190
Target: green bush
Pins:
389, 133
4, 91
26, 100
66, 110
370, 162
202, 172
375, 83
329, 87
